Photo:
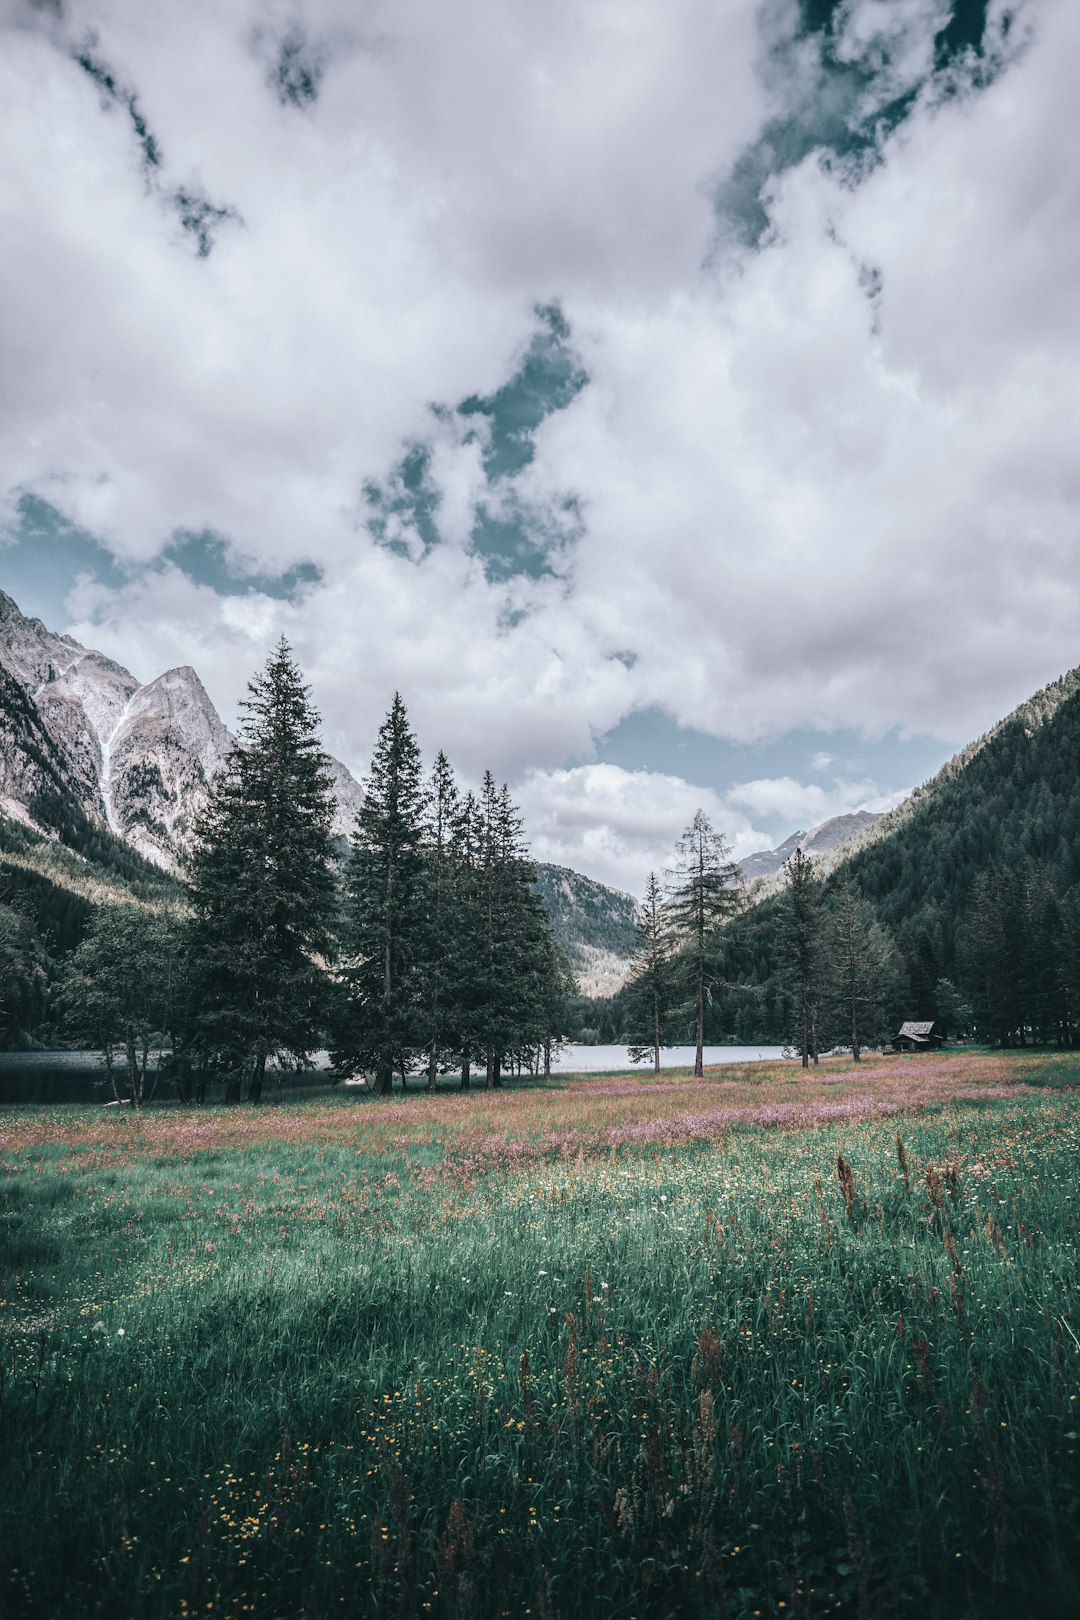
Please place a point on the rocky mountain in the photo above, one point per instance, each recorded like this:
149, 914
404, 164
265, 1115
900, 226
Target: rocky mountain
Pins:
818, 842
593, 924
83, 738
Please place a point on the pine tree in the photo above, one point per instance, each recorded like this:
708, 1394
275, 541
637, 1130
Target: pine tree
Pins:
800, 948
703, 895
650, 989
381, 1024
263, 888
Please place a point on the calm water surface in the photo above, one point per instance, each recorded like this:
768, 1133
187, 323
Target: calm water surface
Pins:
81, 1077
591, 1059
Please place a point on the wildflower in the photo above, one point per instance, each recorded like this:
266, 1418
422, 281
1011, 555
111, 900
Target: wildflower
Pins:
119, 1333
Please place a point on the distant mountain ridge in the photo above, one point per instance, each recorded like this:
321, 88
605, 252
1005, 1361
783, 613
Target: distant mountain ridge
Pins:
595, 926
818, 842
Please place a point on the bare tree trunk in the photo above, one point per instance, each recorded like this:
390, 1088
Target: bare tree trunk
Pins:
699, 1055
133, 1070
110, 1069
466, 1071
255, 1083
656, 1033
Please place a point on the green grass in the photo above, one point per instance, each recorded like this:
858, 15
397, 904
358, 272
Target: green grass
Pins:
316, 1371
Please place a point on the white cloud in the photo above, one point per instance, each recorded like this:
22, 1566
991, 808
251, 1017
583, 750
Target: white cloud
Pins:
619, 825
804, 503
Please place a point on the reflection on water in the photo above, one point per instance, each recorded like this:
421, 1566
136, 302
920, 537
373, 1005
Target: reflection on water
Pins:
81, 1077
46, 1078
591, 1059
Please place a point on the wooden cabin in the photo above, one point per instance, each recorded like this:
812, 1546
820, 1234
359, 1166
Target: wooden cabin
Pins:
918, 1035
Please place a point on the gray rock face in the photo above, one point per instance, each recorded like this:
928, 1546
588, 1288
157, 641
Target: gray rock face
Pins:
158, 761
138, 759
815, 843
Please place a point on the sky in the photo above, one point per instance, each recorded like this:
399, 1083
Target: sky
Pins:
677, 403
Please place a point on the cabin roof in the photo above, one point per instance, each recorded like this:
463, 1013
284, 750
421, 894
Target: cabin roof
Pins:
917, 1029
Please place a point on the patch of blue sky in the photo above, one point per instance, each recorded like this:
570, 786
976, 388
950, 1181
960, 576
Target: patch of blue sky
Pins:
847, 108
42, 553
547, 380
510, 537
208, 559
650, 738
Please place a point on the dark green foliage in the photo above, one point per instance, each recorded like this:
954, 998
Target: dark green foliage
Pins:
381, 1018
443, 941
518, 964
124, 990
48, 895
972, 880
263, 889
800, 947
857, 970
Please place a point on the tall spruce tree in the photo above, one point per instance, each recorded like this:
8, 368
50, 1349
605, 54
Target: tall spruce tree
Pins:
263, 887
650, 989
800, 950
514, 958
381, 1021
467, 964
703, 894
442, 913
858, 956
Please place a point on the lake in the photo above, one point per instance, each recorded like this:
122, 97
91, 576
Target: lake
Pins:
81, 1077
591, 1059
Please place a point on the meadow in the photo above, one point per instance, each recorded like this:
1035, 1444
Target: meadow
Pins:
762, 1345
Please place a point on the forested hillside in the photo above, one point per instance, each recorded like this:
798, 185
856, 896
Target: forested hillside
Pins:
48, 893
976, 878
593, 924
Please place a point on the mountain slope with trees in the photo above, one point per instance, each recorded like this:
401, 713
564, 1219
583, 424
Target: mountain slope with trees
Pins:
988, 850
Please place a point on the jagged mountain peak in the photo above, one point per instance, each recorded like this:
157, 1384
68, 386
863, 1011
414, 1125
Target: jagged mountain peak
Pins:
137, 758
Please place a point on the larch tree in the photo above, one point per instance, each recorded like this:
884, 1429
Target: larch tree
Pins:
703, 894
263, 888
381, 1019
650, 989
